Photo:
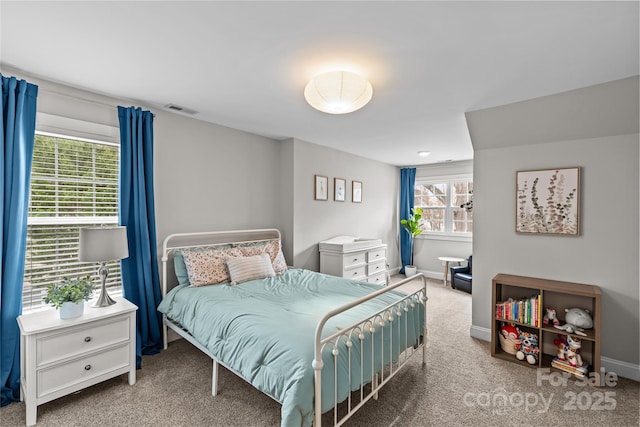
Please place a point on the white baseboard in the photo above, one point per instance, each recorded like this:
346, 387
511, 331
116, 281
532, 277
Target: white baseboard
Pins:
431, 274
620, 368
480, 333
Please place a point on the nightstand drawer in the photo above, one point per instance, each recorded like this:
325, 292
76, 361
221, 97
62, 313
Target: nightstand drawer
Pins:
81, 370
376, 267
376, 255
357, 273
380, 279
81, 339
353, 259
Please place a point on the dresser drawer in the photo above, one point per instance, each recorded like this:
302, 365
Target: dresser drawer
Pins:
380, 279
353, 259
358, 273
81, 370
376, 267
376, 255
81, 339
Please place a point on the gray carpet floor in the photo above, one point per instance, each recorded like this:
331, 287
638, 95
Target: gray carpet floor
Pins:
462, 385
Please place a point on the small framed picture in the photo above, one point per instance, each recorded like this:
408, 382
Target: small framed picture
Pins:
321, 187
339, 189
356, 191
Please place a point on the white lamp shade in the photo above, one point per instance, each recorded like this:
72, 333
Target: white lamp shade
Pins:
98, 244
338, 92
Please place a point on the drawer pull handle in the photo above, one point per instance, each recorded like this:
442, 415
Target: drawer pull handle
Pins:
87, 339
88, 367
355, 260
355, 273
377, 255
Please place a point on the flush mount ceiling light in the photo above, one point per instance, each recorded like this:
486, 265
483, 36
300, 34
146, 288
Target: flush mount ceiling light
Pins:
424, 153
338, 92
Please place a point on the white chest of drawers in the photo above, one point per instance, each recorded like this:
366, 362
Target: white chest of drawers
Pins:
58, 357
361, 259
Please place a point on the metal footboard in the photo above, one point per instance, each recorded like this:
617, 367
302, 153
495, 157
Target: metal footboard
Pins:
390, 316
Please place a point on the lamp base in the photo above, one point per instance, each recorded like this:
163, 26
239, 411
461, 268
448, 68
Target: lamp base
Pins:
104, 300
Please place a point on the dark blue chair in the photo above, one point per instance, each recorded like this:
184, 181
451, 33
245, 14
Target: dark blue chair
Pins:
461, 277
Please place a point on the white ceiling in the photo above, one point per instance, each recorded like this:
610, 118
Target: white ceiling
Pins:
245, 64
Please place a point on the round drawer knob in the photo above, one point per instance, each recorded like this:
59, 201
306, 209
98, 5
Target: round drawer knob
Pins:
87, 339
86, 368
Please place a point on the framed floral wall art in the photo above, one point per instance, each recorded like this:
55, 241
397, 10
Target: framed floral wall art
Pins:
548, 201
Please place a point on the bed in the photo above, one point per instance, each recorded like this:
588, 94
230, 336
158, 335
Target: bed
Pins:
317, 344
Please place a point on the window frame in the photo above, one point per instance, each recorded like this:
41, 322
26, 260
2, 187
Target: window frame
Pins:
115, 283
448, 234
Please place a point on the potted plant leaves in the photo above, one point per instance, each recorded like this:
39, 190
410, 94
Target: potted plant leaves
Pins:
412, 225
69, 296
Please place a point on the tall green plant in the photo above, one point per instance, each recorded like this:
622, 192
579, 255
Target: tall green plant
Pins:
412, 225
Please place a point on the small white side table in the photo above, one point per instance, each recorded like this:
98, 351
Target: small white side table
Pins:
446, 260
58, 357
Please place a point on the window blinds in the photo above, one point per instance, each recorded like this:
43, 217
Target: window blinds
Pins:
74, 184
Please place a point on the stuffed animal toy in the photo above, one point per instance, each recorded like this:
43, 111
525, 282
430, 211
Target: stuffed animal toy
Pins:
573, 352
510, 331
550, 317
528, 348
578, 320
561, 343
509, 338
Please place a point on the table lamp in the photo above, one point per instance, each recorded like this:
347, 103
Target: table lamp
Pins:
103, 244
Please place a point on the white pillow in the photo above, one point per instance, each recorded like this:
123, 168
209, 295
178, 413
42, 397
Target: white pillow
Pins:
250, 268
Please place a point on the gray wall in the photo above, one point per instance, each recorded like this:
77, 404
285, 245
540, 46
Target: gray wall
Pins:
606, 251
315, 220
209, 177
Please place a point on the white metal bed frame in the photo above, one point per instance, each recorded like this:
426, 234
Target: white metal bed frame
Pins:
357, 331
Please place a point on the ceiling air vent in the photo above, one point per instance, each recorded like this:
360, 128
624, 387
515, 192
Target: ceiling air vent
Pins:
179, 109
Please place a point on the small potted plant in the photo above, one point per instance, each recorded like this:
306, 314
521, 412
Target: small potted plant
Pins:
69, 296
412, 225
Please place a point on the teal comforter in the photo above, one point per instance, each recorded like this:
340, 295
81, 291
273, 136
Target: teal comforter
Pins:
264, 330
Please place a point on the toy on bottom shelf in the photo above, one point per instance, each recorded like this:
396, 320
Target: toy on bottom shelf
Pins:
577, 320
569, 358
550, 317
509, 338
528, 348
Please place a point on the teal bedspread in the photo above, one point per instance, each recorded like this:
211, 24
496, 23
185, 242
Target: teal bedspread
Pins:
264, 330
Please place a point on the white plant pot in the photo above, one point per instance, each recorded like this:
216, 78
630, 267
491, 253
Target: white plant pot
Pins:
69, 310
410, 271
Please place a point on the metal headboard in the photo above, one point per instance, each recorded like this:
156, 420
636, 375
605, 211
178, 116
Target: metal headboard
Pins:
177, 241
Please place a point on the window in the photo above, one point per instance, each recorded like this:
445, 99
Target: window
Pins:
440, 200
74, 184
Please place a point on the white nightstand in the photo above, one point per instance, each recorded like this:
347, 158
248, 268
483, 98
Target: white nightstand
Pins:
58, 357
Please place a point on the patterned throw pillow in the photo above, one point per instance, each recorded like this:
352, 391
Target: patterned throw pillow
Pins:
271, 247
250, 268
178, 261
208, 267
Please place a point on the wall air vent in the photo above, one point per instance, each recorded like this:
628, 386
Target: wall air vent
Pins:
179, 109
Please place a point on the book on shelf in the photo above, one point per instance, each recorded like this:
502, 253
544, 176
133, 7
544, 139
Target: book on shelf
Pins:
524, 310
563, 365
